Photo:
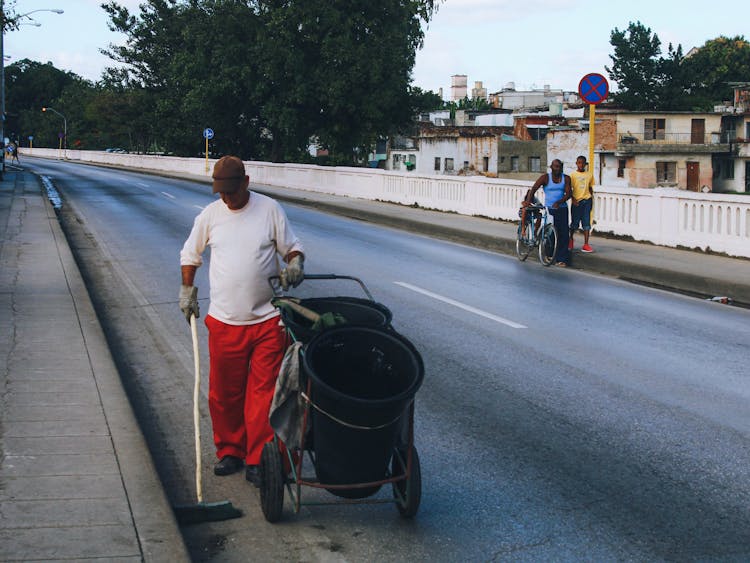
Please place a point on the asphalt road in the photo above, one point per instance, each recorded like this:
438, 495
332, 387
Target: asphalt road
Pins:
563, 416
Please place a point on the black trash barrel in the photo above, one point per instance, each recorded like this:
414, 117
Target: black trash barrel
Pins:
362, 381
354, 310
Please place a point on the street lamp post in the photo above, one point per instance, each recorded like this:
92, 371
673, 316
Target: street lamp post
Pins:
14, 23
65, 129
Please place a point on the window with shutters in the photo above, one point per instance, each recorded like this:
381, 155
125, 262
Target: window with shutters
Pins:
666, 172
654, 129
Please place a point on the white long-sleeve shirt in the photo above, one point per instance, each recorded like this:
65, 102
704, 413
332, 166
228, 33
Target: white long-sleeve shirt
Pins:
244, 247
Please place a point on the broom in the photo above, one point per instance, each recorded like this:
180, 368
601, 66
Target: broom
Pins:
202, 511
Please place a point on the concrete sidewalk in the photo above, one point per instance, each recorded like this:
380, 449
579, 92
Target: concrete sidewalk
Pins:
76, 478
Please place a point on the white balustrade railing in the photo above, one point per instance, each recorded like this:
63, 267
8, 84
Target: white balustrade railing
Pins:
663, 216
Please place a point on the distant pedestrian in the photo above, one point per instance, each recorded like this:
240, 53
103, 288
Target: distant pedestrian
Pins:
582, 187
14, 153
556, 187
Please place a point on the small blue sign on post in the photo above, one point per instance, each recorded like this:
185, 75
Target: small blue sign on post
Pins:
31, 137
593, 88
208, 133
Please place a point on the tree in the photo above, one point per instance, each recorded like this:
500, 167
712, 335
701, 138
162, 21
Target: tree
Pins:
636, 66
715, 65
274, 73
673, 92
423, 101
675, 82
338, 70
30, 86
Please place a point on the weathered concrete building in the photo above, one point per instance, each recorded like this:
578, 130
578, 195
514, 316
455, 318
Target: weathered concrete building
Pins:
458, 87
675, 149
448, 150
453, 150
510, 98
732, 172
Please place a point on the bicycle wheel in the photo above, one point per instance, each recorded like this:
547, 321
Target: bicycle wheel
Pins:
522, 243
548, 245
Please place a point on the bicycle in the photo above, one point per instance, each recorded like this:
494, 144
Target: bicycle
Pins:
539, 233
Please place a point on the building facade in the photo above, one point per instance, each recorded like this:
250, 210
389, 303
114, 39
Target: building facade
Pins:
663, 149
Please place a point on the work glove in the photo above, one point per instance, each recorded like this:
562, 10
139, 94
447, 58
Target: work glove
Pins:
294, 272
189, 301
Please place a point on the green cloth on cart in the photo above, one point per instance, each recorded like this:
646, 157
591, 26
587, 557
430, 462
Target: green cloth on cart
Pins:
328, 320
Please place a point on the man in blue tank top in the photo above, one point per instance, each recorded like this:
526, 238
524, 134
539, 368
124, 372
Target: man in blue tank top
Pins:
556, 194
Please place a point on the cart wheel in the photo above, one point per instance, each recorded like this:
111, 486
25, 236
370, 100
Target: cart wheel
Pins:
407, 493
271, 482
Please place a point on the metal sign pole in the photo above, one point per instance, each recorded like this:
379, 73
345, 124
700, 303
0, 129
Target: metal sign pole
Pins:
592, 134
208, 133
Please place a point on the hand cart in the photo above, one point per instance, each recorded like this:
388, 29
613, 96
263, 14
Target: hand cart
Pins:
357, 381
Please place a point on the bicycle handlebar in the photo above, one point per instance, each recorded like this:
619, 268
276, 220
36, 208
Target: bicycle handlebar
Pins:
534, 207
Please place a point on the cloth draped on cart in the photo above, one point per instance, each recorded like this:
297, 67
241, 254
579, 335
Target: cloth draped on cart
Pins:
287, 407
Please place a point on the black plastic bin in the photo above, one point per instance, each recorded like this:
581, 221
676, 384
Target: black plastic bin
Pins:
363, 379
354, 311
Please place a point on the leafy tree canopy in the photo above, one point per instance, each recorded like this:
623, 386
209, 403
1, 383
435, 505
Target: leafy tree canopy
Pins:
716, 64
635, 66
423, 101
647, 80
269, 75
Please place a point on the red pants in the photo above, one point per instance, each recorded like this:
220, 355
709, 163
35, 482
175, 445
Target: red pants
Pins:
244, 365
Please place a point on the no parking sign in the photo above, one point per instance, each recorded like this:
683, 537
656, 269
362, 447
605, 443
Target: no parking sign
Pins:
593, 88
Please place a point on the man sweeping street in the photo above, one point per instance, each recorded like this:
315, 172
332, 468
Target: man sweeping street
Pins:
247, 233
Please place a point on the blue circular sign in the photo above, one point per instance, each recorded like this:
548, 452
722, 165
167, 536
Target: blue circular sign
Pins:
593, 88
208, 133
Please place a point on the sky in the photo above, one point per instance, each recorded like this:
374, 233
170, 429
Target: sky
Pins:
528, 42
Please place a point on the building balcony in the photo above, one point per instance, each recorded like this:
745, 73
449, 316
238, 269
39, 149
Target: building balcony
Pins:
631, 144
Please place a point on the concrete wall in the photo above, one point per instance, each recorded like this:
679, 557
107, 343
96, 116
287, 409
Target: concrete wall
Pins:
662, 216
523, 150
569, 145
461, 149
608, 171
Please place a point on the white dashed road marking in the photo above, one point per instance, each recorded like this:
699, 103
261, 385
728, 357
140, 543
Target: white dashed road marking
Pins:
460, 305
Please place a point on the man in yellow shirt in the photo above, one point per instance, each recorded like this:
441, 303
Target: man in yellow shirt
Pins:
582, 184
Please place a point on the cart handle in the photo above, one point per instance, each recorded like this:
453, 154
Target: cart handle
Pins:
277, 279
